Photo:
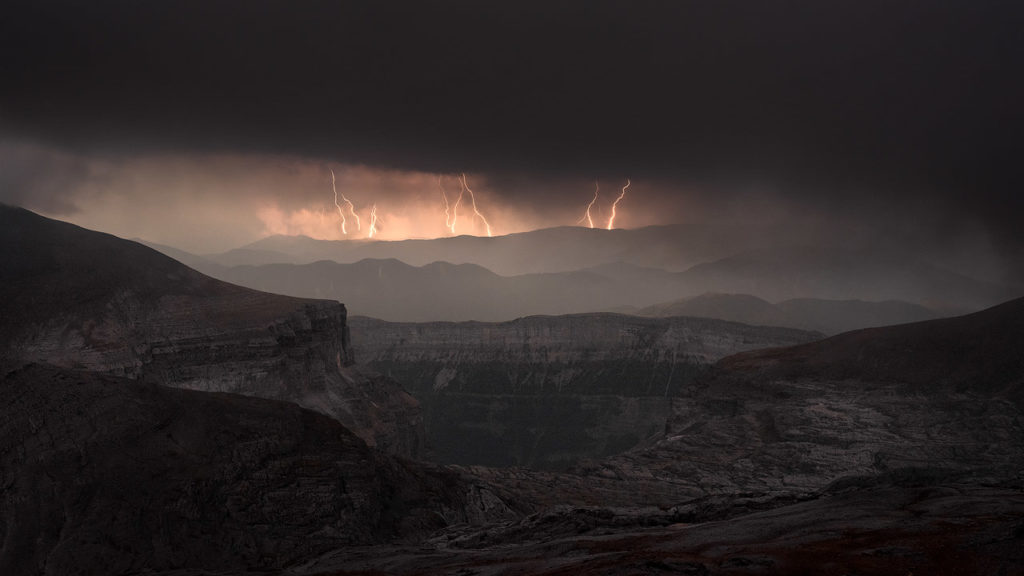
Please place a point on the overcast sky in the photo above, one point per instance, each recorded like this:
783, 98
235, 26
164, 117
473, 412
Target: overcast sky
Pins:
208, 123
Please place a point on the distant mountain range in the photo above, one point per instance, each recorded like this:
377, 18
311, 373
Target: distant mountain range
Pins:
546, 250
892, 287
392, 290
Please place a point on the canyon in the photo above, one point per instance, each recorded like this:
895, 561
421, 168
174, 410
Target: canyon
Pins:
545, 391
154, 418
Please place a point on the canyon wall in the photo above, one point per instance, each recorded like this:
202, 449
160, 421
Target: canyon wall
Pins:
544, 391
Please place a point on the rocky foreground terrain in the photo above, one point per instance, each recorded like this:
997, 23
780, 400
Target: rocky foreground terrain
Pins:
889, 529
545, 391
883, 451
104, 475
84, 300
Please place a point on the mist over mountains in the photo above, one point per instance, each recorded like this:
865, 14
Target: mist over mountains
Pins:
573, 270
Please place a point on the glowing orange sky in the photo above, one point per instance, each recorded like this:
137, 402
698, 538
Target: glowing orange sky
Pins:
212, 203
412, 205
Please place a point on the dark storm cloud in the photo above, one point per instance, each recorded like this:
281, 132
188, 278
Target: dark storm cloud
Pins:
872, 105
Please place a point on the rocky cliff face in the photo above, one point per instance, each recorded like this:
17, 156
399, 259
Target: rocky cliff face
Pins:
102, 475
785, 439
929, 400
578, 353
891, 450
930, 404
544, 391
85, 300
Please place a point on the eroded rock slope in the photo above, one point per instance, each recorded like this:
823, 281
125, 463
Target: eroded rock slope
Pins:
86, 300
103, 475
929, 399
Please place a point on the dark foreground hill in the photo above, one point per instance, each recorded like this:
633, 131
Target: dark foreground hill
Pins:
977, 353
895, 528
103, 475
86, 300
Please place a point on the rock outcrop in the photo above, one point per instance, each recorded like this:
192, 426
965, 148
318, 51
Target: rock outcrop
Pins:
577, 353
545, 391
103, 475
86, 300
901, 528
929, 399
886, 451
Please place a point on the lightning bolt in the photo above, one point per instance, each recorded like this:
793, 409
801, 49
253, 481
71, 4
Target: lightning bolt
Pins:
373, 222
352, 209
475, 211
447, 215
611, 220
455, 207
590, 221
340, 211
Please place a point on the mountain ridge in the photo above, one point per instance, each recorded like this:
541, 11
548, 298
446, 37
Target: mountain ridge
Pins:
85, 300
626, 277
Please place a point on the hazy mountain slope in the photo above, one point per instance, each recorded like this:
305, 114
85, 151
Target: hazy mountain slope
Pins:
929, 399
614, 276
193, 261
253, 257
545, 391
396, 291
980, 352
102, 475
832, 273
86, 300
546, 250
826, 316
835, 316
735, 307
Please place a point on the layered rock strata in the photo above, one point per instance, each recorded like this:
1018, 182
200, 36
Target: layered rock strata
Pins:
545, 391
86, 300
